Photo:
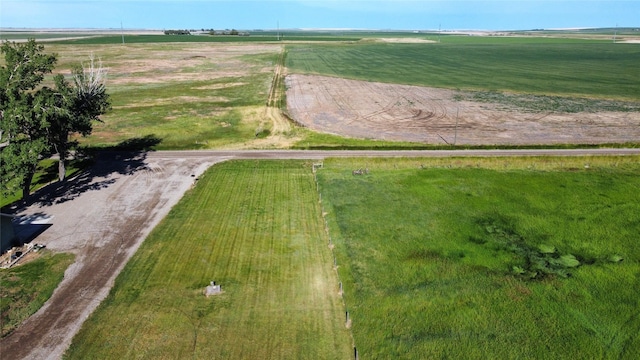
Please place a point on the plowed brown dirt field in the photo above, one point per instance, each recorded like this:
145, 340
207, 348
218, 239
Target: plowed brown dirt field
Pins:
374, 110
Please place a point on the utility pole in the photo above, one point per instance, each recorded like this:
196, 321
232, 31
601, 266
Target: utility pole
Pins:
615, 33
122, 32
455, 136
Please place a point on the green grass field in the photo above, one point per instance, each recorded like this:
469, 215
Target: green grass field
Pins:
440, 258
256, 229
476, 258
580, 68
149, 39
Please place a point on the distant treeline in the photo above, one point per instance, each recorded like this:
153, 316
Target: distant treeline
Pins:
207, 31
228, 32
177, 32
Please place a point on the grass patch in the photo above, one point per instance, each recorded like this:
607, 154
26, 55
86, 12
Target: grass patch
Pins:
188, 114
255, 228
427, 250
312, 140
25, 288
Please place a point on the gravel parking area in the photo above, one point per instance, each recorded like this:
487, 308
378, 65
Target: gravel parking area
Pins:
102, 216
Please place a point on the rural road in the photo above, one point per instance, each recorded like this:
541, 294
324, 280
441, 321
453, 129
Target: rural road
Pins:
104, 214
321, 154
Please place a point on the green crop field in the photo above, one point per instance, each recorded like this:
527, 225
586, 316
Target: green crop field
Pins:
149, 39
256, 229
582, 68
532, 258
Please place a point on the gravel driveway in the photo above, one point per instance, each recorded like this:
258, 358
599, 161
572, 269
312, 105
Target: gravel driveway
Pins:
102, 216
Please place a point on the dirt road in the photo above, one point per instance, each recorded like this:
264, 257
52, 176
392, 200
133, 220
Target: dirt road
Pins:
104, 214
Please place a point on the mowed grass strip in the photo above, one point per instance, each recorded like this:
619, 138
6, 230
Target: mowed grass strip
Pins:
256, 229
430, 253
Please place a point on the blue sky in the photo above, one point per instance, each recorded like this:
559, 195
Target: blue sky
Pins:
354, 14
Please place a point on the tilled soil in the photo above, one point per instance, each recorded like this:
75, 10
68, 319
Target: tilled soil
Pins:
374, 110
102, 216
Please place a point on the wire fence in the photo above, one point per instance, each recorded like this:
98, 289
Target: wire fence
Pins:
348, 320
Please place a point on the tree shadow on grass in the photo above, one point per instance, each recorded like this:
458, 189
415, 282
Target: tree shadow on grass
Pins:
125, 158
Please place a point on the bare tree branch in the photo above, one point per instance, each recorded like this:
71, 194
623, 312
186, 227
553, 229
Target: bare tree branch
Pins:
91, 80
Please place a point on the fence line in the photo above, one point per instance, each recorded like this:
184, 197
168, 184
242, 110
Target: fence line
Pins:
348, 321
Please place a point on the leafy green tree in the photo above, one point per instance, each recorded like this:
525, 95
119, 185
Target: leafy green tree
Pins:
37, 120
23, 124
74, 108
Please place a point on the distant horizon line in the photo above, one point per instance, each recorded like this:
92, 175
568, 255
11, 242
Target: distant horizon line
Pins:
54, 29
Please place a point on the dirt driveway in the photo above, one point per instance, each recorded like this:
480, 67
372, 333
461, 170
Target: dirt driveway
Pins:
373, 110
102, 218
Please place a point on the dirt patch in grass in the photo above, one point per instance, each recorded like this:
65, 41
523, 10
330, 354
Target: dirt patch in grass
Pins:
220, 86
374, 110
175, 100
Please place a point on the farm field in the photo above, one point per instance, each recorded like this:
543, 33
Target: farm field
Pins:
199, 95
256, 229
390, 112
186, 95
488, 258
542, 66
499, 91
486, 91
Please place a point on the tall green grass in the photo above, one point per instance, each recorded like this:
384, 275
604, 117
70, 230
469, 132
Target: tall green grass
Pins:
256, 229
427, 253
547, 67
